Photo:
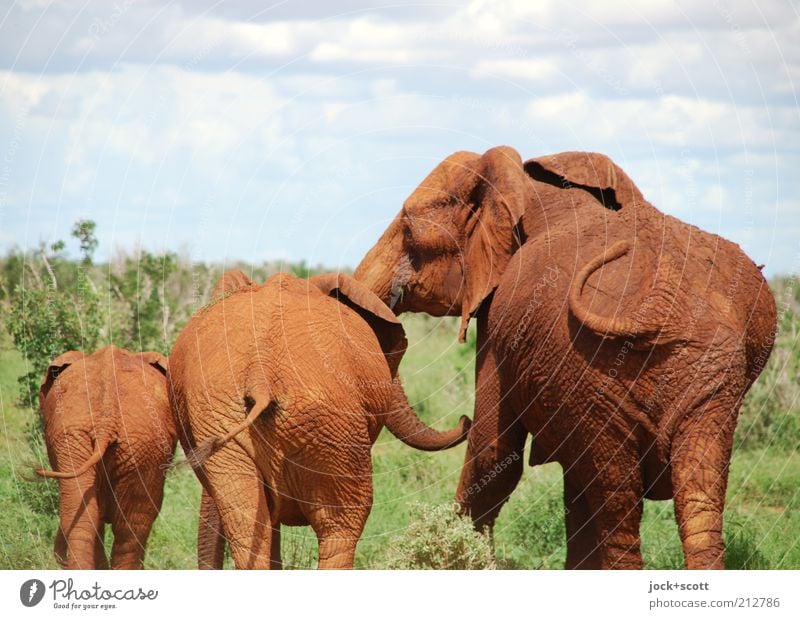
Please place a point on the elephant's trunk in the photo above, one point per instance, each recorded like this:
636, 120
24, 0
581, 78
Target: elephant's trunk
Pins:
610, 326
100, 447
403, 423
383, 269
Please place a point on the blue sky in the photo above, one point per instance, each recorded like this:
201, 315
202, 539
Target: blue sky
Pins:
288, 130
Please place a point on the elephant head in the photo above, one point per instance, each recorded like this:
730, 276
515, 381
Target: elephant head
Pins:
401, 420
446, 250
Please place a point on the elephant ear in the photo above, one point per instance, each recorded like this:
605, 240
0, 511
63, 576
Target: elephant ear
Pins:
592, 172
58, 365
388, 329
496, 203
157, 360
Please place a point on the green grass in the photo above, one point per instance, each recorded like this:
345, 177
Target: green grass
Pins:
762, 525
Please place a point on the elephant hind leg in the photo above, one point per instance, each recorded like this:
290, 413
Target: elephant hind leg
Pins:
337, 551
238, 491
700, 456
342, 505
80, 522
131, 532
210, 539
137, 501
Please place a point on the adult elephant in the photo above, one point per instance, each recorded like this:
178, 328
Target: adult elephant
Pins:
110, 437
280, 390
621, 338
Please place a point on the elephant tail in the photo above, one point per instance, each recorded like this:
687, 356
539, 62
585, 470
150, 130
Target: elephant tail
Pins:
100, 447
633, 328
202, 452
404, 424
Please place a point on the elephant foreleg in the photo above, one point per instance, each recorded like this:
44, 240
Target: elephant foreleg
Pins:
700, 457
494, 460
583, 546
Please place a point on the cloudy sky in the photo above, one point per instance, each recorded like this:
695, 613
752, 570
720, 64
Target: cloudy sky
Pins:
266, 130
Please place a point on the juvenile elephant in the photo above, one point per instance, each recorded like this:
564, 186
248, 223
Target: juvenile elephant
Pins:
110, 437
621, 338
280, 390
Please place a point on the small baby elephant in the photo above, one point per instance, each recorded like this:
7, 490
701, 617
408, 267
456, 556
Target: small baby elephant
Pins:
110, 437
280, 391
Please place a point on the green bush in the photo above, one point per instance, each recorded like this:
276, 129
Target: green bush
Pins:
437, 538
46, 318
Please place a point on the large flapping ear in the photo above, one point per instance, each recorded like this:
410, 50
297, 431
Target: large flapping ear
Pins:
157, 360
231, 281
592, 172
58, 365
384, 323
497, 201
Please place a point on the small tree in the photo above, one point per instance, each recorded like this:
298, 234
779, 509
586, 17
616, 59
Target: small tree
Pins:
84, 231
143, 286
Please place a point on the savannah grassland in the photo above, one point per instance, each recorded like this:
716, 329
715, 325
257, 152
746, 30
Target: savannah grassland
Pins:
412, 524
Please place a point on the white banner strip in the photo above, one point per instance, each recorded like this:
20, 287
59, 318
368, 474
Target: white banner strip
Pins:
407, 594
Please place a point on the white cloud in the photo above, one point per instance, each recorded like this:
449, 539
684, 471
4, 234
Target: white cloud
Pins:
526, 69
21, 92
365, 40
667, 121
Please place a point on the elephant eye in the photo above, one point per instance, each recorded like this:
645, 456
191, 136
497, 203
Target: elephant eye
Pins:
408, 236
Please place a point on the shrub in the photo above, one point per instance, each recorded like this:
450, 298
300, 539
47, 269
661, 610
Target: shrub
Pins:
438, 538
